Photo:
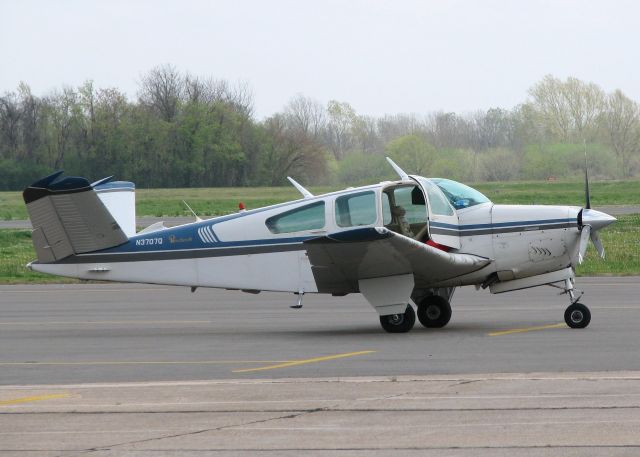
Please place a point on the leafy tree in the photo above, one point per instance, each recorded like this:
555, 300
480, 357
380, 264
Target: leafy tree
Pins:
414, 153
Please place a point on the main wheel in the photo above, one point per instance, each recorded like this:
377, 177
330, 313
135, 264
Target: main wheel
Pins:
577, 316
434, 311
399, 323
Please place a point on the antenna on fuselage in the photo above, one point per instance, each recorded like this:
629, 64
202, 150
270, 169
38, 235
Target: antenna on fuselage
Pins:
400, 171
192, 211
305, 193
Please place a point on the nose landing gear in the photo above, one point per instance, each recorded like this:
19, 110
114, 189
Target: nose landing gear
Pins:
576, 315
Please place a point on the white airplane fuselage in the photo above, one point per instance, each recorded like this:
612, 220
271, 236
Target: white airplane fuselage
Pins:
238, 251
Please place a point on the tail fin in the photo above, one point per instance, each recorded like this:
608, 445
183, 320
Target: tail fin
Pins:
120, 199
69, 217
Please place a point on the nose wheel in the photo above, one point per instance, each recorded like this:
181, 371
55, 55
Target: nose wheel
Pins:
576, 315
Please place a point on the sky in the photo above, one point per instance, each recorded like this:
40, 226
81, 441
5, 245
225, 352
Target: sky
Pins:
382, 57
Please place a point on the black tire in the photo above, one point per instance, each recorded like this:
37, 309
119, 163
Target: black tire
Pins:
399, 323
434, 311
577, 316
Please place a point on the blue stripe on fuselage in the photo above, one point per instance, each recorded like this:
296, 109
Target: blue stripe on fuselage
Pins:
500, 224
186, 236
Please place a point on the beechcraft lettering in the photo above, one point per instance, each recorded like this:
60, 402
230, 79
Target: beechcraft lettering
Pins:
399, 243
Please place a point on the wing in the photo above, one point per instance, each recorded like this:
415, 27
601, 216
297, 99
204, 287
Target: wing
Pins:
339, 260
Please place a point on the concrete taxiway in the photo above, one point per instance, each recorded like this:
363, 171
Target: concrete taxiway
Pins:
116, 369
572, 414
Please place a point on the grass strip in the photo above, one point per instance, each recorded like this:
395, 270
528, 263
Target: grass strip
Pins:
621, 241
219, 201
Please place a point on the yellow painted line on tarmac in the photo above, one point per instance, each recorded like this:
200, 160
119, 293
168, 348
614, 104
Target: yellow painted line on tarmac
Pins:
143, 362
16, 401
526, 329
294, 363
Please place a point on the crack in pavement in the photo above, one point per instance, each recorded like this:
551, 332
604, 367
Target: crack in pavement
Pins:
330, 409
362, 449
196, 432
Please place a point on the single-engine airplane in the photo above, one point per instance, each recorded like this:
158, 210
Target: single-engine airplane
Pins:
414, 239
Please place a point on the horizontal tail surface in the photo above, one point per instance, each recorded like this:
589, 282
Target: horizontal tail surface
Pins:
68, 217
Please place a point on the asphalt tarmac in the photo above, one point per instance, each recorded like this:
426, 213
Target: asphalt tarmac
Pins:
118, 333
114, 369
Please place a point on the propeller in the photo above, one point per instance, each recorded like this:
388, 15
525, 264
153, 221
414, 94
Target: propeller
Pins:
590, 220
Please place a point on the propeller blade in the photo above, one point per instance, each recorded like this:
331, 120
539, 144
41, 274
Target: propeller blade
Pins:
586, 180
584, 241
595, 239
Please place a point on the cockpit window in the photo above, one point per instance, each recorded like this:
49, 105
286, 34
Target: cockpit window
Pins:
460, 195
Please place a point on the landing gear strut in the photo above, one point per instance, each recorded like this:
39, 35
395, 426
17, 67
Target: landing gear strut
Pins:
399, 323
576, 315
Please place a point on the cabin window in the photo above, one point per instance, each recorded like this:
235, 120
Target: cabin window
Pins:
356, 209
309, 217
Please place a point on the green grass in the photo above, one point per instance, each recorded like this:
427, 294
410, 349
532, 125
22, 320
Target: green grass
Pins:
562, 193
217, 201
16, 251
621, 241
212, 201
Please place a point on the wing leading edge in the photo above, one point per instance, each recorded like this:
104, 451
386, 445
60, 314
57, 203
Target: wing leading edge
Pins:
340, 260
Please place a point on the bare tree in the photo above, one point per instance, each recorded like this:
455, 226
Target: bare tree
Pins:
241, 98
31, 118
161, 90
491, 129
365, 134
63, 112
306, 115
390, 127
10, 120
291, 152
622, 123
339, 127
549, 101
570, 109
585, 101
446, 130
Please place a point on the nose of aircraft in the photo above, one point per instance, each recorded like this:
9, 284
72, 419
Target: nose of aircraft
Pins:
596, 219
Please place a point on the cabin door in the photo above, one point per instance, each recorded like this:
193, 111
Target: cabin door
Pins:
443, 219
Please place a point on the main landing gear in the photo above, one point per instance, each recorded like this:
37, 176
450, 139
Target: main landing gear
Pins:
399, 323
576, 315
434, 311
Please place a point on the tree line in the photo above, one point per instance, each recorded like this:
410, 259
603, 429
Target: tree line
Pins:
188, 131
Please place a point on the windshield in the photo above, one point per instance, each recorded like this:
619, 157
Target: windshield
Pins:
460, 195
